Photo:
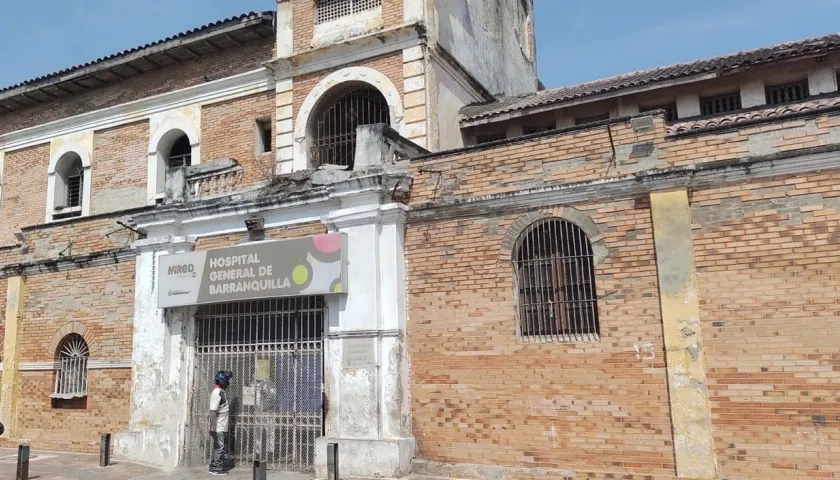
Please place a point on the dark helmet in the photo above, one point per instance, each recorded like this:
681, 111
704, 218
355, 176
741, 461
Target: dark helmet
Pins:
223, 377
2, 428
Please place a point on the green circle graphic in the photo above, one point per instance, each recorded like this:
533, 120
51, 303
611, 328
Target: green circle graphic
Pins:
300, 274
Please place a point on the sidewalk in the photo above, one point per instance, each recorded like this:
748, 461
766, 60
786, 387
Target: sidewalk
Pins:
65, 466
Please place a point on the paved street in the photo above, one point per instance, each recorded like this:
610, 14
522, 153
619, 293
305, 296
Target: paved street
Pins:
60, 466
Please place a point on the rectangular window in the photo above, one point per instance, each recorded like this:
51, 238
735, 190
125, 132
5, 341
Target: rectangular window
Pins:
728, 102
489, 137
328, 10
787, 93
670, 110
263, 136
592, 119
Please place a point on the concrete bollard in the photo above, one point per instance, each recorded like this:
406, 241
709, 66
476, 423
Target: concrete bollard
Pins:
105, 450
332, 461
23, 463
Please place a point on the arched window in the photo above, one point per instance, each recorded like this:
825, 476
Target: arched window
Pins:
333, 131
180, 155
71, 379
69, 186
555, 283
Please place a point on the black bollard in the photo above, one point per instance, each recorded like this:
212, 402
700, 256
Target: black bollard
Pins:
332, 461
23, 463
259, 469
105, 450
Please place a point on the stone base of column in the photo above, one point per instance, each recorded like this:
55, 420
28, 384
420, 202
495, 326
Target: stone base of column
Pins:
383, 458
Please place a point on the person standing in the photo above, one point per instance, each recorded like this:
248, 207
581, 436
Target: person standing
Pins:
219, 419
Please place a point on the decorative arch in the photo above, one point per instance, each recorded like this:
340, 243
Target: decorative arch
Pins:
58, 156
313, 100
163, 137
553, 254
69, 329
600, 251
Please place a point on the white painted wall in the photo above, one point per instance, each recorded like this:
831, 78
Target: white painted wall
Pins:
489, 38
162, 358
752, 94
285, 28
822, 80
447, 95
688, 105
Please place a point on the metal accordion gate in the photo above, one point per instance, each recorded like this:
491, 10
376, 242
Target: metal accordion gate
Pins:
275, 350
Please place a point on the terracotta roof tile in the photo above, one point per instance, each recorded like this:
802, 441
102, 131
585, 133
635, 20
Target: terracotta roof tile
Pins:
718, 65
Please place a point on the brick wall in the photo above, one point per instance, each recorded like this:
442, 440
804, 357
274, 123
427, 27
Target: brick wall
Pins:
120, 168
479, 395
304, 16
24, 193
102, 300
226, 63
228, 130
767, 259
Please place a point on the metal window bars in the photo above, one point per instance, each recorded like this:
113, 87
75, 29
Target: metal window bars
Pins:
71, 376
328, 10
75, 184
176, 161
788, 92
728, 102
180, 155
334, 142
275, 350
556, 299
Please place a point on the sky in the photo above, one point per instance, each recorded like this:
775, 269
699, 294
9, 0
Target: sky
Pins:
577, 40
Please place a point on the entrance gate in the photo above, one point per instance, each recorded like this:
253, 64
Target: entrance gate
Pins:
275, 350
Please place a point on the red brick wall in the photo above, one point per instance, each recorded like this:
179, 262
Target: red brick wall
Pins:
228, 130
479, 395
24, 193
187, 74
120, 167
767, 261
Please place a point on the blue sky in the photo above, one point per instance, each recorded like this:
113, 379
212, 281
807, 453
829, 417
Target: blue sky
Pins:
577, 40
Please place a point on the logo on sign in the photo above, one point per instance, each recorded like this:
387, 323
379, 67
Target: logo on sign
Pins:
185, 269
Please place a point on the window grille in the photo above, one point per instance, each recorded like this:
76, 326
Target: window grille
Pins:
334, 142
725, 103
75, 184
789, 92
555, 284
670, 111
489, 137
71, 376
329, 10
181, 153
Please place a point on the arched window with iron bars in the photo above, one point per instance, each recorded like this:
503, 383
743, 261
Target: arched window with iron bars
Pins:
556, 299
71, 378
334, 128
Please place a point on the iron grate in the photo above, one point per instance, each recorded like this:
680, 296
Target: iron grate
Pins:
334, 142
728, 102
786, 93
555, 284
275, 350
329, 10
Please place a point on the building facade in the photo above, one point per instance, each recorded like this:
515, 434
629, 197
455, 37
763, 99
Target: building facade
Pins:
400, 243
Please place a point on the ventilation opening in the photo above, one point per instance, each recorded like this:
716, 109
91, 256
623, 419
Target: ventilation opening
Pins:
329, 10
180, 155
536, 129
787, 93
729, 102
592, 119
264, 136
334, 139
